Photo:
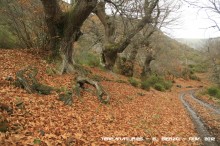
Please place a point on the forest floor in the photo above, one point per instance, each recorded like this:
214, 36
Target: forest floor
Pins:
133, 116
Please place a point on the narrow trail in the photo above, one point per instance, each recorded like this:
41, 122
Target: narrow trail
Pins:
212, 108
198, 122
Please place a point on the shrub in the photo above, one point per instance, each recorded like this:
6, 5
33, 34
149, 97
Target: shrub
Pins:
159, 87
133, 82
154, 79
214, 91
168, 85
145, 85
159, 83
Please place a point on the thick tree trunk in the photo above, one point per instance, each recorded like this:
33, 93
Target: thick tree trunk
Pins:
109, 57
147, 69
53, 16
131, 60
125, 65
109, 53
67, 58
65, 27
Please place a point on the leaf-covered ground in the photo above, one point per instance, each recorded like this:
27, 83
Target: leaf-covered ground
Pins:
209, 117
133, 114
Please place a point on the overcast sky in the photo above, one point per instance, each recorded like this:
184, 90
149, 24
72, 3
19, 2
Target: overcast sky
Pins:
193, 24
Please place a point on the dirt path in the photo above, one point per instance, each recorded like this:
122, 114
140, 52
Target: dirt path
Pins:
209, 106
206, 134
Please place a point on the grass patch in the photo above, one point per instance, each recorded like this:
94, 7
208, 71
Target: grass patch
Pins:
145, 85
133, 82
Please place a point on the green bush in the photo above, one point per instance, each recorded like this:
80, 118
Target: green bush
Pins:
145, 85
168, 84
157, 82
133, 82
153, 79
88, 58
159, 87
214, 91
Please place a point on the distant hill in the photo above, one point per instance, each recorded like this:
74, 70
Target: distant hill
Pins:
197, 44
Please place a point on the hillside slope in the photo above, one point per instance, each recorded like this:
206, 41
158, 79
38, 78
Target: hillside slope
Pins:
132, 112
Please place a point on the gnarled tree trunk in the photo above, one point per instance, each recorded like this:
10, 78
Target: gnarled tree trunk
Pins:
64, 28
111, 47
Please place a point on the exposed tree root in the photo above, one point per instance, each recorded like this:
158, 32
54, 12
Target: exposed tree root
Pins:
26, 78
100, 92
